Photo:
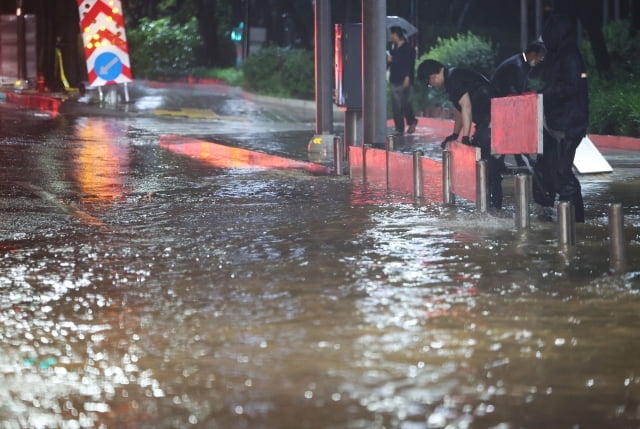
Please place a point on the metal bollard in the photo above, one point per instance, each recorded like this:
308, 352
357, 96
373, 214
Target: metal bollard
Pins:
566, 224
337, 155
616, 237
390, 143
417, 173
448, 197
521, 191
482, 195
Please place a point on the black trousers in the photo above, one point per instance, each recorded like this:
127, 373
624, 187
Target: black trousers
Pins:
553, 173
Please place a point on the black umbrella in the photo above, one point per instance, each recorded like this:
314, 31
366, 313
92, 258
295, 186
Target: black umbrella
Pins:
397, 21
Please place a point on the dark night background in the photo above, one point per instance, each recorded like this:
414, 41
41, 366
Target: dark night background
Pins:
290, 22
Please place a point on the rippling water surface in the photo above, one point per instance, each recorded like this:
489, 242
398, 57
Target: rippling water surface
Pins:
140, 289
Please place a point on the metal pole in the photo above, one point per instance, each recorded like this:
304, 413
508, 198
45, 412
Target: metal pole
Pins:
352, 122
22, 42
482, 195
245, 31
337, 155
539, 17
524, 24
448, 197
417, 173
616, 237
390, 143
374, 66
521, 191
566, 224
323, 67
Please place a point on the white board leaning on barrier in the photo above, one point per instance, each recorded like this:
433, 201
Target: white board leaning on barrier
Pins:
589, 160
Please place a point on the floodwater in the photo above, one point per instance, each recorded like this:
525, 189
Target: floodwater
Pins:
142, 289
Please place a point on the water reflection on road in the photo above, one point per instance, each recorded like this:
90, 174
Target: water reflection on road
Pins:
255, 298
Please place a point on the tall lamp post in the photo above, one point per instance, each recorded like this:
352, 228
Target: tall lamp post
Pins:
22, 46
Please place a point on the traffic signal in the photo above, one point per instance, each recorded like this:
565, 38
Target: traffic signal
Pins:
237, 33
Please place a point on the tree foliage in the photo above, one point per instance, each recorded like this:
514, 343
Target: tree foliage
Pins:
160, 48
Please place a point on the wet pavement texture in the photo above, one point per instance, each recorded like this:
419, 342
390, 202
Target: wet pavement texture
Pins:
142, 289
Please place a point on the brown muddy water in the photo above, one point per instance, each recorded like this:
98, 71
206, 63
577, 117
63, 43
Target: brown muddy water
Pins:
140, 289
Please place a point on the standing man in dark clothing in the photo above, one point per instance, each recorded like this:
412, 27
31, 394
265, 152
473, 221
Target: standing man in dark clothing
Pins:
471, 93
511, 77
566, 116
401, 63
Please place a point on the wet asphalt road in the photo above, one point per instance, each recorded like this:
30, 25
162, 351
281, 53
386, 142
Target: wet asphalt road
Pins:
143, 289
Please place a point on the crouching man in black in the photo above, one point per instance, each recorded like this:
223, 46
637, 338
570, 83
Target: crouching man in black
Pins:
471, 93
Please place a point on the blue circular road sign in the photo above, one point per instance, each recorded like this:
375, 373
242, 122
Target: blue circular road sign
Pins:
108, 66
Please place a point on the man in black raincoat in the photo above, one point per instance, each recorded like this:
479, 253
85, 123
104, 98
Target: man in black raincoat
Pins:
471, 93
566, 116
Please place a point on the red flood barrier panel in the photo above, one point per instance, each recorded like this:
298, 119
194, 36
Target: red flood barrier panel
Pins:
516, 124
432, 180
394, 171
464, 161
356, 163
401, 173
223, 156
376, 167
48, 105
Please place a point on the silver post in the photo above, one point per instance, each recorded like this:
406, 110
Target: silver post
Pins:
390, 143
521, 191
616, 237
566, 224
447, 196
482, 196
337, 155
417, 173
126, 93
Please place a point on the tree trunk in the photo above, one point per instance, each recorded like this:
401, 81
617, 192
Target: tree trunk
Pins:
209, 31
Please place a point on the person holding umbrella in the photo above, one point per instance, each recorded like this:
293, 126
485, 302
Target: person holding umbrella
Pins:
401, 62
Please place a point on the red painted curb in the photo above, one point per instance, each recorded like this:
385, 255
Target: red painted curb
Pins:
223, 156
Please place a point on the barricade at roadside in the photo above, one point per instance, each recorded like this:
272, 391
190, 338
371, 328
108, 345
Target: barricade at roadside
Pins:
47, 105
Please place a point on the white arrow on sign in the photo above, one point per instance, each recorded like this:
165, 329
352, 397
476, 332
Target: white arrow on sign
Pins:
105, 68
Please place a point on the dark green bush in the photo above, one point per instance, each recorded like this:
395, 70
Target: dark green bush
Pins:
463, 50
280, 72
615, 102
161, 49
615, 108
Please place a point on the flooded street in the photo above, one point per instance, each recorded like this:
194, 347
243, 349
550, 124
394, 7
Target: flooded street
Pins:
143, 289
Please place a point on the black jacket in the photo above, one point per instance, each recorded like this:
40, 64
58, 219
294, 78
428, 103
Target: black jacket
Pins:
566, 97
458, 81
511, 76
402, 63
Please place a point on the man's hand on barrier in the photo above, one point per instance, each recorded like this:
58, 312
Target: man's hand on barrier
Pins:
448, 139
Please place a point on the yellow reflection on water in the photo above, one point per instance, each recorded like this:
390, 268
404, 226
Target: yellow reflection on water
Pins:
101, 161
